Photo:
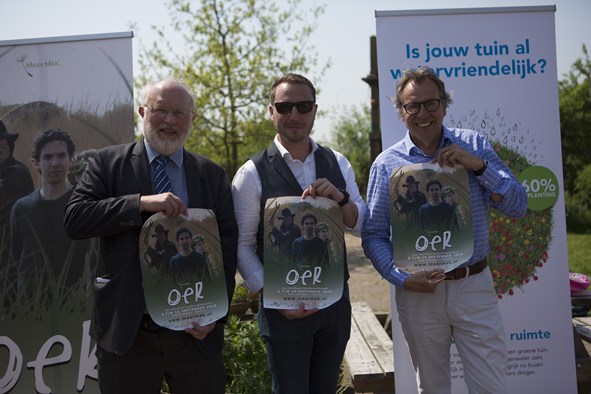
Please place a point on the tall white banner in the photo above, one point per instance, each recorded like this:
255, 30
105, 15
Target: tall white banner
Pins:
500, 66
83, 86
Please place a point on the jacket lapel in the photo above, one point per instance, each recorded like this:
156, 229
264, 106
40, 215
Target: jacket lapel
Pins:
141, 170
193, 178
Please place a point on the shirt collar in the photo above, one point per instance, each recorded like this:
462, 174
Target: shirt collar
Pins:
176, 157
285, 153
408, 145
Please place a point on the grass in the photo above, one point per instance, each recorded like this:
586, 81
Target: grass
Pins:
579, 253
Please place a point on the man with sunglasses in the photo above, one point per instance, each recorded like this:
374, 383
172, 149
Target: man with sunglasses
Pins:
305, 347
434, 307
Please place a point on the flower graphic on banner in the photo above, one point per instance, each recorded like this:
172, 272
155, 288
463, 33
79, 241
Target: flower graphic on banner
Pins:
518, 247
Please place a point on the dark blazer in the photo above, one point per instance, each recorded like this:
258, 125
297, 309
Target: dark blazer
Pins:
106, 204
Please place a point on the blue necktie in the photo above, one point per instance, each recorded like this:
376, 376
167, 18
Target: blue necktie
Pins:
161, 181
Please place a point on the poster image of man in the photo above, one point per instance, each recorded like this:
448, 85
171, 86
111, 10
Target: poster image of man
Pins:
408, 204
436, 214
158, 256
47, 261
309, 250
15, 182
282, 237
189, 263
323, 232
449, 195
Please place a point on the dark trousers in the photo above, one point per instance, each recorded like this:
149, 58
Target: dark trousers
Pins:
158, 353
305, 355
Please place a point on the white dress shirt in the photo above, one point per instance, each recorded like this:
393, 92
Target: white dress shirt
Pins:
247, 190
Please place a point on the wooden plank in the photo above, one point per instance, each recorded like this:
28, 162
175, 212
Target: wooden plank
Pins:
376, 338
583, 327
367, 375
583, 369
359, 357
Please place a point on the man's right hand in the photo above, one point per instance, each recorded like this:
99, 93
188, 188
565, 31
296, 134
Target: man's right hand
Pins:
424, 281
167, 203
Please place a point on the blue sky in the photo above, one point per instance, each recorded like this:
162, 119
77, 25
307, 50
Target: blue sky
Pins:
342, 35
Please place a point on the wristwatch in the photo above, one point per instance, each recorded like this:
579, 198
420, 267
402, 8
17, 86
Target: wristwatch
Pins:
481, 170
345, 198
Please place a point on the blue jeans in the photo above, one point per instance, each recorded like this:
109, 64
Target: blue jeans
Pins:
305, 355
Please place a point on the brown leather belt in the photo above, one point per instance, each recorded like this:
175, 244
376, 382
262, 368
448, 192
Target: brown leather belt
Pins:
464, 272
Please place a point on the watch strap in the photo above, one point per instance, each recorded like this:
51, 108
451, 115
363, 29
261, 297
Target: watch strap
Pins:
345, 199
481, 170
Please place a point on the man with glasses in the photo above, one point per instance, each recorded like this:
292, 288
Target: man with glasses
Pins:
305, 347
435, 308
123, 186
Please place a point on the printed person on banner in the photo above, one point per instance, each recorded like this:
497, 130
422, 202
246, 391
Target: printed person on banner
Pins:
47, 261
15, 182
122, 188
460, 304
305, 347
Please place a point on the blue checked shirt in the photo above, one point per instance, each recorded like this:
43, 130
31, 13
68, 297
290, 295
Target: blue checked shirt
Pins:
496, 178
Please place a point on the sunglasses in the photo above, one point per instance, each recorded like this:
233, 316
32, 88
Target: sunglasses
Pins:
303, 107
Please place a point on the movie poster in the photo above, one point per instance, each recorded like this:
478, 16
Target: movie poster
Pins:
183, 269
431, 217
304, 253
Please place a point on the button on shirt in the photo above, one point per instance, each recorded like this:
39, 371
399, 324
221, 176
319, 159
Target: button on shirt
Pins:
247, 190
496, 178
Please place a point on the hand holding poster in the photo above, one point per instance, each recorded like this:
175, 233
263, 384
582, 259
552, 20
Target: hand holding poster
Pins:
303, 265
431, 217
184, 277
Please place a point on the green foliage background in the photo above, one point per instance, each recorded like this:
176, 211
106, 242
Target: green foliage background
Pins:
231, 57
575, 128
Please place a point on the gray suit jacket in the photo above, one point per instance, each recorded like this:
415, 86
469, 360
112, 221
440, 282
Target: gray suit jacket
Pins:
106, 205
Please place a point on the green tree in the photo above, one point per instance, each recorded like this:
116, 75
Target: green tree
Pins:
575, 119
578, 203
351, 138
233, 50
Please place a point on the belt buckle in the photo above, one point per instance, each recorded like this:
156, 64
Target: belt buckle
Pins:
467, 272
456, 273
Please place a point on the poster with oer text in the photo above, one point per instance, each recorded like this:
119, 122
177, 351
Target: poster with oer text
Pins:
431, 217
183, 270
304, 253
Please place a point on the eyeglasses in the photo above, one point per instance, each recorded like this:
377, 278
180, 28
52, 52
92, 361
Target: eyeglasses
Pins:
303, 107
163, 112
429, 105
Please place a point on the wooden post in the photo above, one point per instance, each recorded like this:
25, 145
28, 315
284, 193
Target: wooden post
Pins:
375, 136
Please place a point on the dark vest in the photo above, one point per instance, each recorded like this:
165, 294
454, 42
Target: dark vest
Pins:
277, 180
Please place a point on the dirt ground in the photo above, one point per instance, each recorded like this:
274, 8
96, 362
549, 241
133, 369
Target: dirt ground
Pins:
365, 283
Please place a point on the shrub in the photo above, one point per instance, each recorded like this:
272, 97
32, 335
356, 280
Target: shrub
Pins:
247, 367
578, 205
